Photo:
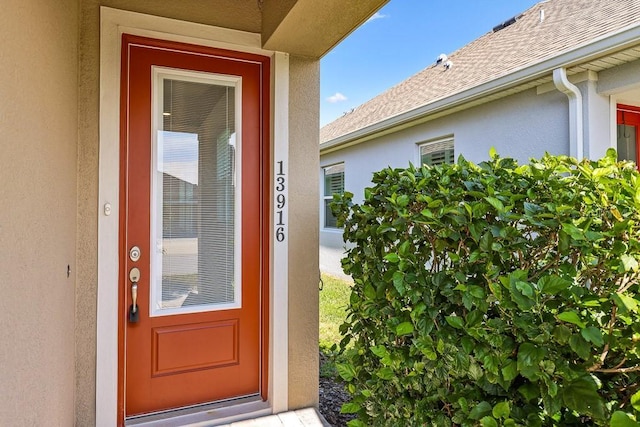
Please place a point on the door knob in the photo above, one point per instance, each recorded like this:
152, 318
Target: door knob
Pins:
134, 312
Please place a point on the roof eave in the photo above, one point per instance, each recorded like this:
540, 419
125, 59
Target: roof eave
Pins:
607, 44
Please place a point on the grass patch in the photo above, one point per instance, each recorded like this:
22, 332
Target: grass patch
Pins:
334, 298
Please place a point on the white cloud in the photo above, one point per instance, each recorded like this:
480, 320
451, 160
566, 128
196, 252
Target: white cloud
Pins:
375, 16
338, 97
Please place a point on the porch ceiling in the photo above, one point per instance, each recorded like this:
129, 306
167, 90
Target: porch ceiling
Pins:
311, 27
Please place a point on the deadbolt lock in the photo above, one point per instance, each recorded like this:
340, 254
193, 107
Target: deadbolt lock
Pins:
134, 254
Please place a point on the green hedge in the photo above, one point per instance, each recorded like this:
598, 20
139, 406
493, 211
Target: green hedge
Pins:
494, 294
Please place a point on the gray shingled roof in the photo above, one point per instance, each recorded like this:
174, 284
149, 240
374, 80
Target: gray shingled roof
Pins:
567, 24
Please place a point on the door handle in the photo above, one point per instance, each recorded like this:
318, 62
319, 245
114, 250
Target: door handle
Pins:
134, 312
134, 296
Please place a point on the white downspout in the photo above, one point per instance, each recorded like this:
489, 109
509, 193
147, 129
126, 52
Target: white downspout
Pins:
576, 128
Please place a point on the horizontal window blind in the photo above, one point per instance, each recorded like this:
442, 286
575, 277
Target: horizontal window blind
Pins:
333, 184
437, 152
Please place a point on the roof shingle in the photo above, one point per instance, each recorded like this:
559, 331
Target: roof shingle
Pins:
567, 24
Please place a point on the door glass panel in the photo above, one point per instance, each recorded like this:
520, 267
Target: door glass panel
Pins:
626, 142
195, 193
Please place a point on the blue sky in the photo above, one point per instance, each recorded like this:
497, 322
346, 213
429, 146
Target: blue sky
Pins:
404, 37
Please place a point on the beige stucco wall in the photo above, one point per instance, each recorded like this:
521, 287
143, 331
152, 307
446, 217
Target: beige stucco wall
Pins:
304, 275
49, 121
38, 128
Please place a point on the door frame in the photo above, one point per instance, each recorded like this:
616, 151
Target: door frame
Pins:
114, 23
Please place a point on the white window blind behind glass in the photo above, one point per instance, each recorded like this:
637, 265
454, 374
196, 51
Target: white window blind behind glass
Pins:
437, 152
196, 197
333, 184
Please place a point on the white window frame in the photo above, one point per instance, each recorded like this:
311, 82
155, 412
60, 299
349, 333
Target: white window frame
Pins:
159, 74
326, 197
437, 145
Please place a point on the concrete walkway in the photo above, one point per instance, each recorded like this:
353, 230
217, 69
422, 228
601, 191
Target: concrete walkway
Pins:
301, 418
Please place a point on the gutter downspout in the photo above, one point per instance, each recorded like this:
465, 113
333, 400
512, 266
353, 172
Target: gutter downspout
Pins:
576, 128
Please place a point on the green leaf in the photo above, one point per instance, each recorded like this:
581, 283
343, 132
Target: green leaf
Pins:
562, 333
573, 231
350, 408
625, 302
356, 423
480, 410
493, 153
629, 262
509, 370
476, 291
369, 291
379, 351
486, 241
496, 203
385, 373
635, 401
571, 317
529, 391
398, 282
488, 422
564, 242
455, 321
501, 410
402, 200
394, 258
580, 346
346, 371
404, 328
593, 335
582, 396
467, 344
529, 356
474, 317
552, 284
621, 419
525, 288
475, 371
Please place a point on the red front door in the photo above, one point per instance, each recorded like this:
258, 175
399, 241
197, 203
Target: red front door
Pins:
193, 166
628, 120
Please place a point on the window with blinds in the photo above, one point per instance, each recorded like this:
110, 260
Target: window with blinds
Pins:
195, 199
333, 184
437, 152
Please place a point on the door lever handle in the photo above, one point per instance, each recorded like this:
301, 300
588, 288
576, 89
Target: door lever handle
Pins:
134, 296
134, 312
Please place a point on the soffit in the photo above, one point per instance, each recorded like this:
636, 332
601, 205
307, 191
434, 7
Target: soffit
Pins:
310, 27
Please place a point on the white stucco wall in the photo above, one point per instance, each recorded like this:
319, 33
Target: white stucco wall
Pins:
597, 117
521, 126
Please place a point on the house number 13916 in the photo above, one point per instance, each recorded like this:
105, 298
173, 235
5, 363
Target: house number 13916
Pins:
281, 201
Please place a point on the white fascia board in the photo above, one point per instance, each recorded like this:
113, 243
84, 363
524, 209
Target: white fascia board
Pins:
622, 39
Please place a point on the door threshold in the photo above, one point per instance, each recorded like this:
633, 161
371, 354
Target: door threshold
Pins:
205, 415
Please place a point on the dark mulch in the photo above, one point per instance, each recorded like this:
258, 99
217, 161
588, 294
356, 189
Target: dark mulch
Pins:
332, 396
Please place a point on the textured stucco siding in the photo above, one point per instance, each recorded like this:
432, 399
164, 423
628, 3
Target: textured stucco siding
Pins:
304, 113
521, 126
38, 124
